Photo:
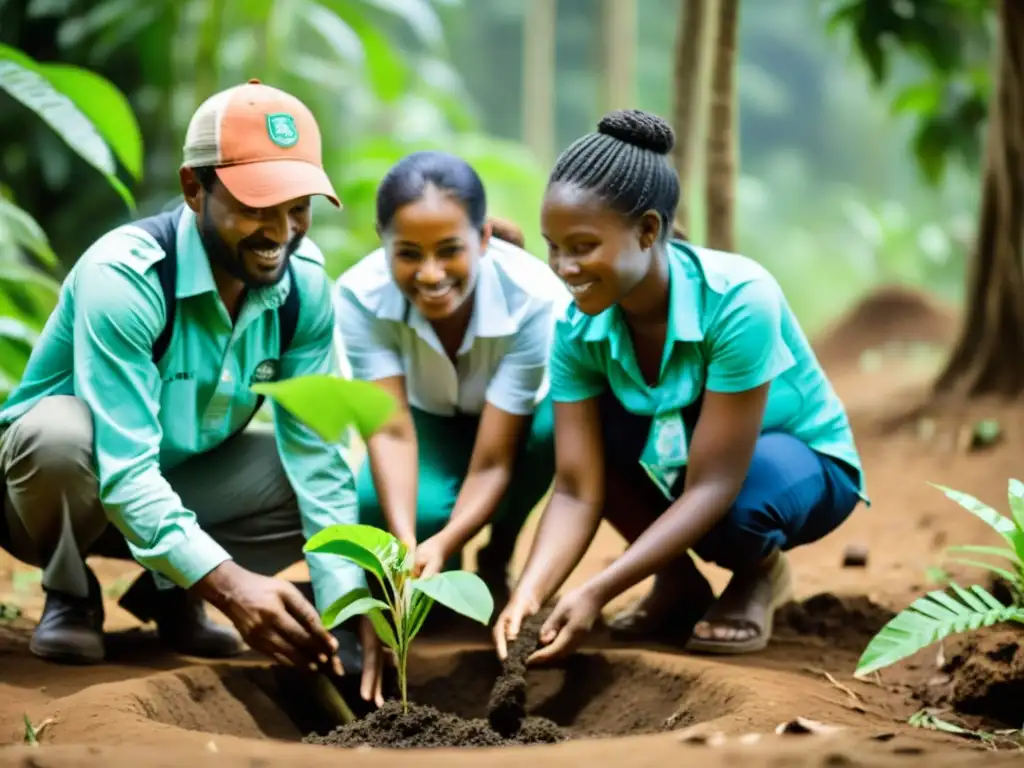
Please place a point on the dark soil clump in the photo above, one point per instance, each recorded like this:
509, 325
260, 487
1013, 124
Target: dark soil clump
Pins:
425, 726
506, 709
846, 622
987, 677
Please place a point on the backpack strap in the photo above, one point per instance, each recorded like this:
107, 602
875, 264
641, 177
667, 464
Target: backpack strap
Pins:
288, 313
163, 227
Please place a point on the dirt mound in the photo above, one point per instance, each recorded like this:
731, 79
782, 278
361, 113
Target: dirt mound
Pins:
890, 314
846, 622
424, 726
987, 677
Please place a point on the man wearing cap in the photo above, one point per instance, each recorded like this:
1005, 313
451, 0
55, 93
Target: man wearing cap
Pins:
125, 437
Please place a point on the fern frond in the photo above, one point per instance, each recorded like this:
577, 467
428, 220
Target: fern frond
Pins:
931, 618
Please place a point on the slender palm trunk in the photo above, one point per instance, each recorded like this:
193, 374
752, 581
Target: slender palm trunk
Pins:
691, 50
720, 179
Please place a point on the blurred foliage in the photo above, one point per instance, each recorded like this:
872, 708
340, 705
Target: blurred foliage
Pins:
827, 198
375, 72
948, 45
94, 120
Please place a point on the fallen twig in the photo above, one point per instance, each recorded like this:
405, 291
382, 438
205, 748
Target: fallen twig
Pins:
828, 676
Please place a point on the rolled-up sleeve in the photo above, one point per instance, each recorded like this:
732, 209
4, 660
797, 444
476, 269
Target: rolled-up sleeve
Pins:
370, 343
119, 312
319, 472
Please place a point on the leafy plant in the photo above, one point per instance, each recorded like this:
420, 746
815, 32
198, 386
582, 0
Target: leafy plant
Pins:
407, 600
89, 113
940, 614
329, 405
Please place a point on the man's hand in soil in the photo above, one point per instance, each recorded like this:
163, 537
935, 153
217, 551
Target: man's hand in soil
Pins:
567, 626
272, 616
429, 557
506, 629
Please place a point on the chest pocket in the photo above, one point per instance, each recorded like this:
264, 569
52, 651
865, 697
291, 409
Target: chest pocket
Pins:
163, 227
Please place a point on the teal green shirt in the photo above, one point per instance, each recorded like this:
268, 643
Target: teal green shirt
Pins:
730, 329
98, 346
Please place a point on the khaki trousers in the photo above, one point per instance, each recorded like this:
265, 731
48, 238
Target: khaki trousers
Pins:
52, 518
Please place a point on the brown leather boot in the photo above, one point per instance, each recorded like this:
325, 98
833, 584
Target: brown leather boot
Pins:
181, 620
70, 630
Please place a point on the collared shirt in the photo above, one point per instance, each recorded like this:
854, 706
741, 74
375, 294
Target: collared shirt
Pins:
730, 329
98, 347
503, 357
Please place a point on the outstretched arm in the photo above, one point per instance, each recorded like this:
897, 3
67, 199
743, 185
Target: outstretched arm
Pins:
511, 398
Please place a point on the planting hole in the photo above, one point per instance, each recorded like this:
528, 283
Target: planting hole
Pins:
591, 695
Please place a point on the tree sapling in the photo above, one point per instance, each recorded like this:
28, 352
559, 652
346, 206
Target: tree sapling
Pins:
407, 600
330, 405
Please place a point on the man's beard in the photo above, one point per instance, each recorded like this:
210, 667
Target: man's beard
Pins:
230, 259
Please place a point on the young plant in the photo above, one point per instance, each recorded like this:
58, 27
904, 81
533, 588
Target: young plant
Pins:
329, 405
939, 614
407, 600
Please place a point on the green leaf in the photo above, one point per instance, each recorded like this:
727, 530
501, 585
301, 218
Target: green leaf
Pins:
329, 405
929, 619
462, 591
1001, 524
1002, 573
18, 225
1016, 495
107, 108
15, 330
372, 549
353, 603
981, 549
383, 628
25, 81
421, 605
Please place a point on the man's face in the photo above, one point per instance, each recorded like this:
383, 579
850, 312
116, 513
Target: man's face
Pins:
252, 245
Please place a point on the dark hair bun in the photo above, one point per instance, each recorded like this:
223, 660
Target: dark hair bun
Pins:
639, 128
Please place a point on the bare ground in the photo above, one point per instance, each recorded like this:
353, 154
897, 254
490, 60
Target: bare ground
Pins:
146, 706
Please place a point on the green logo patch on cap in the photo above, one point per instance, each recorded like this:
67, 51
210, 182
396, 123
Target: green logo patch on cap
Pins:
281, 129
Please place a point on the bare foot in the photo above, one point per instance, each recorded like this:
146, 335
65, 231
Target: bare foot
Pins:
679, 597
740, 621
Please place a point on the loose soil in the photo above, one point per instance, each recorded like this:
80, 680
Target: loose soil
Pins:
794, 704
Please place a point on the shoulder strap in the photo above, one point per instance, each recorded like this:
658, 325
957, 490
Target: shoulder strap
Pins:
288, 313
163, 227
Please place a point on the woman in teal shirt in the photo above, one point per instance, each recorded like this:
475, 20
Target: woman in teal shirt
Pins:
455, 320
690, 412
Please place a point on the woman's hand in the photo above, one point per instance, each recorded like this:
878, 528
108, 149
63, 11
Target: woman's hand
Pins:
568, 625
430, 557
506, 629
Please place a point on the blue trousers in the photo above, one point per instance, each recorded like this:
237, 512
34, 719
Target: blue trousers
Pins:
792, 494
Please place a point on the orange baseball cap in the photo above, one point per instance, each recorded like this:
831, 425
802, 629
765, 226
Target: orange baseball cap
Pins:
264, 143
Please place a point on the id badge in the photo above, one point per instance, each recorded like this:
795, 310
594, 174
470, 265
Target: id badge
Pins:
666, 451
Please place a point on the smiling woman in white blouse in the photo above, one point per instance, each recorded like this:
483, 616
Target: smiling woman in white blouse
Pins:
454, 319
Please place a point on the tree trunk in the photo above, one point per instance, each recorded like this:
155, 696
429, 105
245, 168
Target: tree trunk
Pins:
538, 97
691, 46
720, 177
618, 21
988, 358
